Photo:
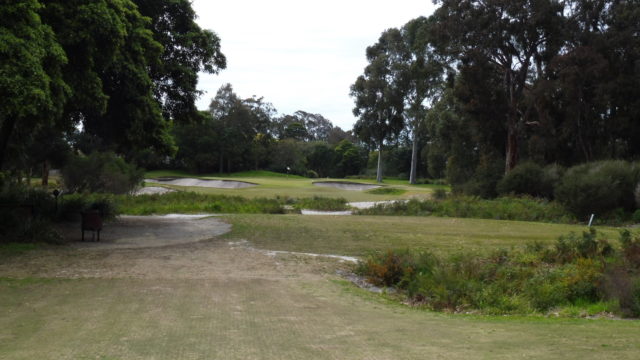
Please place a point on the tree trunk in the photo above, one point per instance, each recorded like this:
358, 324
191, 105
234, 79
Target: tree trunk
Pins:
5, 134
414, 158
512, 148
379, 172
221, 169
45, 174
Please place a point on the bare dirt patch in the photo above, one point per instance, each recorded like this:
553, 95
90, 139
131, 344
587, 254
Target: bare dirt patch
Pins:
346, 185
148, 231
218, 184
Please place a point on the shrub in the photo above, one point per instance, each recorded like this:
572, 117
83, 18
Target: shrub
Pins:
598, 187
524, 179
321, 203
311, 174
101, 173
440, 194
579, 271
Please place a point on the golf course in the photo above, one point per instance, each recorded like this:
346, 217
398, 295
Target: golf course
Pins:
271, 286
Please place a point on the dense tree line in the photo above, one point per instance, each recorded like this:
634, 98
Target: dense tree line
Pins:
238, 134
481, 86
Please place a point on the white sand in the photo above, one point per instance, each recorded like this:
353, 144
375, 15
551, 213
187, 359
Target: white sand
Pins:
343, 185
219, 184
149, 190
317, 212
370, 204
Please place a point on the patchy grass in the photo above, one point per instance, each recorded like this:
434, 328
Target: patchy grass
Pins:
357, 235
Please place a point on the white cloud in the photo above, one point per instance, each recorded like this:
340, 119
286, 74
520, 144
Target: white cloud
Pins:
299, 55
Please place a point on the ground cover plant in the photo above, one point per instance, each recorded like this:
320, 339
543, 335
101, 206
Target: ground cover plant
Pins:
578, 271
504, 208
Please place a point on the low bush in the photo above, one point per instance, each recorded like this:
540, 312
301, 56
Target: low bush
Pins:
598, 188
321, 204
525, 179
101, 173
505, 208
27, 214
190, 203
579, 271
385, 190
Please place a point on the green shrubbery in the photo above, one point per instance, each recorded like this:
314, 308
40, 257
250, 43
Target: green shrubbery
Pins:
101, 173
599, 187
578, 271
321, 204
190, 202
27, 214
505, 208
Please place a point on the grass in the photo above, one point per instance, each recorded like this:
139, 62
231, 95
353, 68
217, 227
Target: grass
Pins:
194, 203
15, 249
272, 185
387, 191
321, 203
358, 235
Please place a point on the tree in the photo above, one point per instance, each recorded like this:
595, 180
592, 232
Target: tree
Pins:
378, 94
517, 37
31, 84
187, 50
423, 73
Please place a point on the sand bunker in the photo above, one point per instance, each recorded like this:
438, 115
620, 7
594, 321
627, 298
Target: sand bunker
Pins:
219, 184
150, 190
345, 185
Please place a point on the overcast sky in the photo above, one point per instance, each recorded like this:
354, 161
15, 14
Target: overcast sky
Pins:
299, 55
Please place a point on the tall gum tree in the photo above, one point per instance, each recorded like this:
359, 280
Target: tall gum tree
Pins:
379, 94
518, 36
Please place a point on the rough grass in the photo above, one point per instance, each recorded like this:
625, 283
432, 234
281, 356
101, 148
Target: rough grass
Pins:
357, 235
387, 191
504, 208
321, 203
193, 203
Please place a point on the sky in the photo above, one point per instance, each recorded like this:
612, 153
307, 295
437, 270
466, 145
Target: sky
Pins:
296, 54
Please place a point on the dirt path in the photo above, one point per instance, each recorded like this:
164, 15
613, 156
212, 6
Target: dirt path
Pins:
221, 299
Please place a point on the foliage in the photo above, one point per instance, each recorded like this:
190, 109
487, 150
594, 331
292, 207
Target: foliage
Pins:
101, 172
189, 203
504, 208
385, 190
598, 187
321, 204
577, 271
526, 179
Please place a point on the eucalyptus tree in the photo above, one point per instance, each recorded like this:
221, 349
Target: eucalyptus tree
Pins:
423, 73
379, 93
515, 38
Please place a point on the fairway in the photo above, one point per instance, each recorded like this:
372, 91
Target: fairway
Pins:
357, 235
272, 185
225, 299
